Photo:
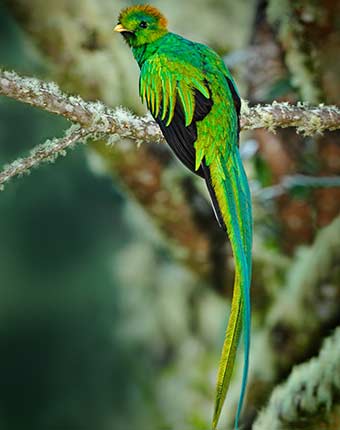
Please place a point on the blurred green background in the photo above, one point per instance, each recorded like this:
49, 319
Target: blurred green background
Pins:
102, 325
64, 363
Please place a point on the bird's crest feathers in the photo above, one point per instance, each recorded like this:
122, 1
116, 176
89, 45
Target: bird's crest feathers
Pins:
146, 9
141, 25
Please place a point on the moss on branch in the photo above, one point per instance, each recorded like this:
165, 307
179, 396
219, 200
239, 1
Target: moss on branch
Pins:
309, 398
121, 123
303, 312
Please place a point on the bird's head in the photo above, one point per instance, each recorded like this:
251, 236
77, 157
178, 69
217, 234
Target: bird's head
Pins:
141, 24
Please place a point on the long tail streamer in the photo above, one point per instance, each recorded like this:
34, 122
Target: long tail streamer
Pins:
231, 189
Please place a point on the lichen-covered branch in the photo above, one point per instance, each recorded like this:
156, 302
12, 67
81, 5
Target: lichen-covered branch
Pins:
47, 152
309, 398
307, 119
118, 122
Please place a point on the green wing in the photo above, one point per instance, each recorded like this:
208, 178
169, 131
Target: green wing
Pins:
163, 82
178, 97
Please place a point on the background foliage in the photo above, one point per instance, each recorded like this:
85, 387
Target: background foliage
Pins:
111, 318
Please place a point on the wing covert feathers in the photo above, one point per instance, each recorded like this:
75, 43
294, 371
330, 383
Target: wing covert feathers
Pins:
162, 83
177, 102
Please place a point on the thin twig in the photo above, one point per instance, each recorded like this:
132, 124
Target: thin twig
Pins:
47, 152
292, 182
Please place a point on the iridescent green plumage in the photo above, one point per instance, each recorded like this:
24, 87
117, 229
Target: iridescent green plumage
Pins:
193, 98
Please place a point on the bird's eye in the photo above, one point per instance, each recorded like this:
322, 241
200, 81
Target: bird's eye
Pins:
143, 24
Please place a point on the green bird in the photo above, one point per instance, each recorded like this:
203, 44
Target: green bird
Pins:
193, 98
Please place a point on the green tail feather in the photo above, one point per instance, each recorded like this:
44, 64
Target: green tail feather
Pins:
228, 355
232, 193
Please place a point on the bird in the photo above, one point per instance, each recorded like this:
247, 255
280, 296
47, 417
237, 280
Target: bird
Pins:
194, 99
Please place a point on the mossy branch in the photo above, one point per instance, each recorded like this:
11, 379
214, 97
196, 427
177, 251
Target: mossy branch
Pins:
309, 398
307, 119
96, 118
95, 115
47, 152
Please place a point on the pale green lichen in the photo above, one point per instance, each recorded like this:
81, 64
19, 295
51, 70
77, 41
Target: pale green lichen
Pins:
312, 127
245, 108
310, 392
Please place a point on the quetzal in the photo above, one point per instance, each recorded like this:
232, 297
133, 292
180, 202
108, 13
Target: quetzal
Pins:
193, 98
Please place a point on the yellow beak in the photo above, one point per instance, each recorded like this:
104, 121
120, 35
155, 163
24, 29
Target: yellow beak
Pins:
120, 28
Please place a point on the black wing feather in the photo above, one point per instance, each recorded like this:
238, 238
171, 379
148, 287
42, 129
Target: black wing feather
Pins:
181, 139
237, 102
214, 202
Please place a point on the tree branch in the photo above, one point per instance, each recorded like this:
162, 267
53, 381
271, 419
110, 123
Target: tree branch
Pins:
47, 152
307, 119
120, 123
48, 96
